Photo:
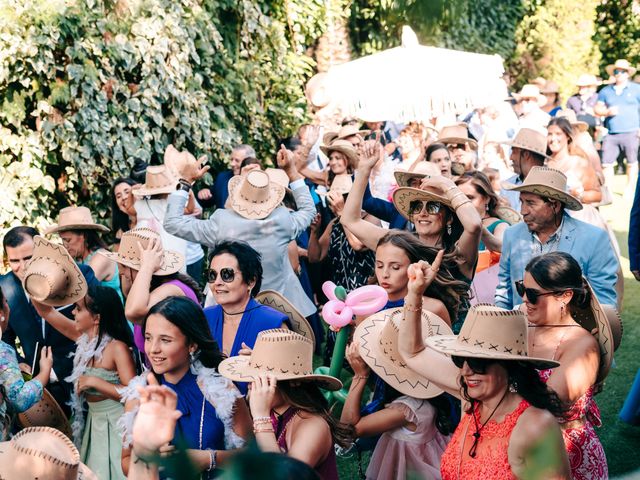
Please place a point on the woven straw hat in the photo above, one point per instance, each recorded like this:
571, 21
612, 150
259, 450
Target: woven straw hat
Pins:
341, 184
52, 277
282, 353
403, 197
621, 65
550, 183
456, 134
75, 218
586, 80
129, 252
377, 336
418, 170
576, 124
277, 301
343, 147
46, 413
345, 131
508, 214
254, 195
530, 91
42, 453
531, 140
159, 179
279, 176
491, 332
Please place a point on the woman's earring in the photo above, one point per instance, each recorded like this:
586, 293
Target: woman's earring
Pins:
513, 387
193, 356
449, 229
562, 309
486, 207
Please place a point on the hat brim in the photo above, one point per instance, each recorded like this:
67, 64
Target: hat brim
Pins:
596, 317
351, 154
250, 210
149, 192
403, 197
512, 143
238, 369
610, 68
277, 301
76, 226
458, 140
449, 345
394, 371
172, 262
45, 251
46, 413
403, 177
569, 201
540, 99
508, 214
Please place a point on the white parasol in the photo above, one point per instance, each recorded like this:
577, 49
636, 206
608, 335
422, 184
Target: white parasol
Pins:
415, 83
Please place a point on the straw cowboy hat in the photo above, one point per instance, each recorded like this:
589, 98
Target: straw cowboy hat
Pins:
282, 353
52, 277
345, 131
576, 124
606, 323
491, 332
75, 218
277, 301
176, 160
129, 252
159, 179
46, 413
458, 134
254, 196
531, 140
42, 453
279, 176
377, 336
343, 147
621, 65
403, 197
586, 80
530, 91
550, 183
341, 184
420, 170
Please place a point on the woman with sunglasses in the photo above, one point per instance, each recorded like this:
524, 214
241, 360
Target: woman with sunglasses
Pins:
556, 295
235, 277
443, 216
508, 410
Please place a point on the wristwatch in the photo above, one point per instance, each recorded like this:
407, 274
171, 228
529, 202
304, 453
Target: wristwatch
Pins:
183, 185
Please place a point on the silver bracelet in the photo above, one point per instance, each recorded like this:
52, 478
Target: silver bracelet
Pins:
213, 464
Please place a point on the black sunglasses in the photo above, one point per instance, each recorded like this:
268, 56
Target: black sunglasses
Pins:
533, 294
226, 274
478, 365
416, 206
618, 71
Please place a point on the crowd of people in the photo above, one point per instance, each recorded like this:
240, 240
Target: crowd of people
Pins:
187, 330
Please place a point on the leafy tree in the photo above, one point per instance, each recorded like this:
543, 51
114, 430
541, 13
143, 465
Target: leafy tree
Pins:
618, 32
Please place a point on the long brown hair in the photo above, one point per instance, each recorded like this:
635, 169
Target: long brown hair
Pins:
306, 396
483, 187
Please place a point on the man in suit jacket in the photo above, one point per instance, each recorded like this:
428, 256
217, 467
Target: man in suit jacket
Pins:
547, 228
26, 325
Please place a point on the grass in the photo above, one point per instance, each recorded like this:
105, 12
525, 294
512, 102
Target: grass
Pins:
621, 441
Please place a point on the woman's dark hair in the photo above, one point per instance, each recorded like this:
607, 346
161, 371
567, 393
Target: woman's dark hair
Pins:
483, 187
563, 124
249, 161
307, 397
524, 377
106, 302
445, 287
190, 320
290, 143
559, 271
139, 170
119, 219
434, 147
252, 464
158, 280
331, 175
93, 240
249, 261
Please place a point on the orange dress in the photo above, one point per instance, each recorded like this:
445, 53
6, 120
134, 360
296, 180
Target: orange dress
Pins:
491, 460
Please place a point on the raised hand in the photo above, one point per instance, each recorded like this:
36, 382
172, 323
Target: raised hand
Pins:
422, 274
352, 353
370, 154
151, 257
190, 169
263, 392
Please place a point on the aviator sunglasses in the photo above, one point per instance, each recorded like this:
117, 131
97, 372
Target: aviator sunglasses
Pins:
226, 274
416, 206
533, 294
478, 365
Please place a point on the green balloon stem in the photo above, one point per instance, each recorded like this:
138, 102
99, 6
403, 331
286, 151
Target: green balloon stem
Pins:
337, 359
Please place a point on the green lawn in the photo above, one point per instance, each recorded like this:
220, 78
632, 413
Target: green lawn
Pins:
621, 441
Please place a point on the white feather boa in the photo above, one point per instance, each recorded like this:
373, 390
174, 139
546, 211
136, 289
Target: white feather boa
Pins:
217, 390
87, 349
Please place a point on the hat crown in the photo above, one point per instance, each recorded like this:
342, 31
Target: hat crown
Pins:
454, 131
255, 187
495, 330
282, 352
75, 216
349, 130
532, 140
129, 248
547, 176
586, 80
159, 176
277, 175
529, 91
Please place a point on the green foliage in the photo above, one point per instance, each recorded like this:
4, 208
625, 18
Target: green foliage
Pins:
89, 86
618, 32
554, 40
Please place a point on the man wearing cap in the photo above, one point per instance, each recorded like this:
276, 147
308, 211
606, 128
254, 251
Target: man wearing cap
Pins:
548, 228
529, 107
620, 104
254, 215
528, 150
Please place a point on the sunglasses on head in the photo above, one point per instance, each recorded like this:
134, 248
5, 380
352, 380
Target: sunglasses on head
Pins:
531, 293
618, 71
226, 274
417, 206
478, 365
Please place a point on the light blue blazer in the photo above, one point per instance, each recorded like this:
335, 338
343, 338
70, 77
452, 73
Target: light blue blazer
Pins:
589, 245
